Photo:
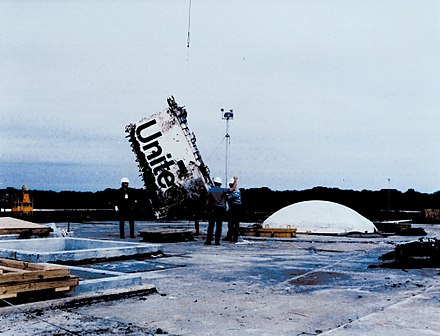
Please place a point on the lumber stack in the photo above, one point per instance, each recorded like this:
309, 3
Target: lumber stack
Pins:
24, 278
9, 225
268, 232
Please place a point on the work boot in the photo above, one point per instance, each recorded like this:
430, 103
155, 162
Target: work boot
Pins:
207, 243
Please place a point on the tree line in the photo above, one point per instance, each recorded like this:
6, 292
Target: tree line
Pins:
258, 203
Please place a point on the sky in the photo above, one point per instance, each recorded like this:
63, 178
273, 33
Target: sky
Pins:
341, 93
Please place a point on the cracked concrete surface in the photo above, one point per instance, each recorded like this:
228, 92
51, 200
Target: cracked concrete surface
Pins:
307, 286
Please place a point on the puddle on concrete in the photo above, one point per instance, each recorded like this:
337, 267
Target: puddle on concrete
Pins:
316, 278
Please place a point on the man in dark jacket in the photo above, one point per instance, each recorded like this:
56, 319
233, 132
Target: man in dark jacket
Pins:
217, 208
125, 205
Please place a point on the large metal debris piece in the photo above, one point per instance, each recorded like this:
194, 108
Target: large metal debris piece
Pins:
168, 159
423, 253
424, 248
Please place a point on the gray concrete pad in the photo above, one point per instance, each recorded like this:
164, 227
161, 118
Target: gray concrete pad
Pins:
309, 285
43, 250
414, 315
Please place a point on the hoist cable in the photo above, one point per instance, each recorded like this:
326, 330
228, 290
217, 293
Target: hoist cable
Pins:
215, 150
189, 25
43, 320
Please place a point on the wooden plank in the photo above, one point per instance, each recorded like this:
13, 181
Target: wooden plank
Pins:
9, 225
35, 231
277, 233
62, 289
27, 287
14, 277
20, 271
24, 277
8, 296
268, 232
12, 269
14, 223
25, 265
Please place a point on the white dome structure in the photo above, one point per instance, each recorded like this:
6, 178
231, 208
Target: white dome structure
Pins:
320, 217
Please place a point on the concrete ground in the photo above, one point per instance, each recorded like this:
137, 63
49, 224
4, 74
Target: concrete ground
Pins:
308, 285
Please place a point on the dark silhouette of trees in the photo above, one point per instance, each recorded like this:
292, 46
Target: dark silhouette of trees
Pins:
258, 203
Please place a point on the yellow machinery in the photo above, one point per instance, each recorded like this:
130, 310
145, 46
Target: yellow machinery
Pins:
22, 203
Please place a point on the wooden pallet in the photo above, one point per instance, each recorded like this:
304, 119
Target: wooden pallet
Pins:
268, 232
18, 277
166, 236
9, 225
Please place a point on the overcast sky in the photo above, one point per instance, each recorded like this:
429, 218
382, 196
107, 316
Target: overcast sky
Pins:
325, 93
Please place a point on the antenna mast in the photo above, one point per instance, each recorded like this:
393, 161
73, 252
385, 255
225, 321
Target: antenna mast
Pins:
228, 115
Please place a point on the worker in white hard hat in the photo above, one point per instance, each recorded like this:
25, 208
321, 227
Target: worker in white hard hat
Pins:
233, 213
125, 206
216, 207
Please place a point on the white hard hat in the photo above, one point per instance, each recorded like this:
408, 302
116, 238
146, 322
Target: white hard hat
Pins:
231, 180
218, 180
125, 180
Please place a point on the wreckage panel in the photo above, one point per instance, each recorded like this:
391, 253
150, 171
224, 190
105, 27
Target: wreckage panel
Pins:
168, 159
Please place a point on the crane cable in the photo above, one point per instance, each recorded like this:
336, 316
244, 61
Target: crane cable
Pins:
35, 316
189, 25
215, 149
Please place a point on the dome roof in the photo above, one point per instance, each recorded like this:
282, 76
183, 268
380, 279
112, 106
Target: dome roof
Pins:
320, 217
